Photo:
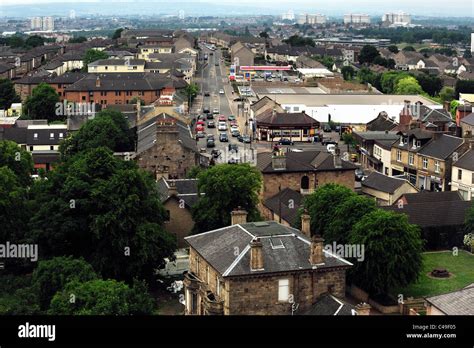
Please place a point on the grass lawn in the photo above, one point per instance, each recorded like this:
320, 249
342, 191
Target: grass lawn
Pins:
461, 266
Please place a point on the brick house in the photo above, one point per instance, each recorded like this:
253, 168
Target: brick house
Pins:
241, 55
462, 177
303, 171
260, 268
166, 147
178, 198
384, 189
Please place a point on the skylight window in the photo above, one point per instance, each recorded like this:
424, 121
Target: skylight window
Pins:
276, 243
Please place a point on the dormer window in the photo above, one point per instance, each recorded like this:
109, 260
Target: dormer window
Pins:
405, 140
51, 135
414, 143
35, 136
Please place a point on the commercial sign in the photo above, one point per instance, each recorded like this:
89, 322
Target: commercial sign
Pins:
265, 68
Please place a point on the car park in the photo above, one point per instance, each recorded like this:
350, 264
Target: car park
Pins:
223, 137
211, 124
285, 141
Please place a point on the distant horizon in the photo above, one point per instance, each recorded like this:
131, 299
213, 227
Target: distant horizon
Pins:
421, 8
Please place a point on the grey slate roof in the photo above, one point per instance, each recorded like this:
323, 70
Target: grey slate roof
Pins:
16, 134
281, 202
441, 147
383, 183
466, 161
302, 162
281, 119
428, 197
327, 304
377, 135
459, 302
218, 249
469, 119
187, 190
443, 213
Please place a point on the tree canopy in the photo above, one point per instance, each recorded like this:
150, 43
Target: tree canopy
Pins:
408, 85
92, 55
7, 94
18, 160
367, 54
226, 187
42, 103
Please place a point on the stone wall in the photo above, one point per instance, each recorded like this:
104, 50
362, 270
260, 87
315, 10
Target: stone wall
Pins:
181, 222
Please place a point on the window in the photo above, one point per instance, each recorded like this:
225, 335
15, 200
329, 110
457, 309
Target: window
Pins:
51, 135
436, 166
411, 159
296, 108
305, 183
283, 290
51, 148
61, 135
425, 163
31, 148
35, 135
399, 156
459, 174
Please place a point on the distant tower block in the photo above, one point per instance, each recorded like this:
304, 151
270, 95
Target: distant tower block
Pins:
181, 14
72, 14
472, 42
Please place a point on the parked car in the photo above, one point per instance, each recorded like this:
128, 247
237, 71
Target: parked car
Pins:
222, 126
326, 129
331, 148
200, 134
359, 174
235, 133
285, 141
221, 91
233, 160
221, 118
246, 139
215, 111
327, 141
206, 110
211, 143
233, 127
240, 138
223, 137
233, 147
231, 118
210, 116
215, 153
199, 128
211, 124
337, 129
207, 94
210, 136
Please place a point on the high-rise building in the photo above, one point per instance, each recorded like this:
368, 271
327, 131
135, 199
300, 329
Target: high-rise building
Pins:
400, 18
311, 19
472, 42
48, 23
290, 15
356, 19
36, 23
181, 14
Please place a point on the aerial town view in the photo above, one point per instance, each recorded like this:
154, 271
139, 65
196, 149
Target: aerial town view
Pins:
288, 161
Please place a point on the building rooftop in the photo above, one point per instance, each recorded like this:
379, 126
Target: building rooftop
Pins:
383, 183
455, 303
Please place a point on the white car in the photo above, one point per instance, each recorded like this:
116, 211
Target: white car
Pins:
215, 111
331, 148
222, 126
234, 128
221, 91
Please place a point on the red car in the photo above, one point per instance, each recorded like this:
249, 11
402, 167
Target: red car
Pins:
222, 118
200, 122
199, 128
232, 123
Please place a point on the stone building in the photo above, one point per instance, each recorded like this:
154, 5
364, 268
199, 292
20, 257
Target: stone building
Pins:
303, 171
261, 268
165, 147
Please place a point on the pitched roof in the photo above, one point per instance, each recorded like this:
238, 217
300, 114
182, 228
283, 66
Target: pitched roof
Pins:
284, 249
442, 213
466, 161
428, 197
327, 304
441, 147
469, 119
302, 162
456, 302
286, 204
281, 119
383, 183
187, 190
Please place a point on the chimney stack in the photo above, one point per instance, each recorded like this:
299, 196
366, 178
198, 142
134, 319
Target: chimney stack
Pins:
316, 256
238, 216
97, 81
279, 160
363, 308
337, 157
306, 224
256, 255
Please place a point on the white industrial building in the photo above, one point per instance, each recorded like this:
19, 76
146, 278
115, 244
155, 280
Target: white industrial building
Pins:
356, 19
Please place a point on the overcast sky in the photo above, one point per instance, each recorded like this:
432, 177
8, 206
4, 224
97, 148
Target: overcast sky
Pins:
463, 8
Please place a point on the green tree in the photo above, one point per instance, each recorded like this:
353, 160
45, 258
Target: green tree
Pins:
52, 276
408, 85
92, 55
409, 49
117, 34
321, 206
18, 160
392, 252
34, 41
191, 92
41, 104
346, 215
367, 54
109, 128
7, 94
453, 107
194, 172
393, 49
348, 72
226, 187
297, 41
263, 34
104, 209
78, 39
16, 41
447, 94
101, 297
429, 83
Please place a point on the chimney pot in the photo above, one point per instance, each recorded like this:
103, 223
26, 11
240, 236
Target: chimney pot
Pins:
316, 256
238, 216
306, 224
256, 255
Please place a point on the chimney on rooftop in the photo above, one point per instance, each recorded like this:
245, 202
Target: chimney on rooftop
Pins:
306, 224
238, 216
278, 160
256, 255
97, 81
316, 256
337, 157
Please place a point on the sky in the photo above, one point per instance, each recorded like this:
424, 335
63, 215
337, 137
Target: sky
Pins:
455, 8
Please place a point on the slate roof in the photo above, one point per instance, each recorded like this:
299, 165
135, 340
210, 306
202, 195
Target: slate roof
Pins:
428, 197
381, 123
281, 119
16, 134
434, 115
288, 202
441, 147
377, 135
437, 214
327, 304
383, 183
466, 161
44, 136
218, 247
455, 303
117, 62
302, 162
469, 119
187, 190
